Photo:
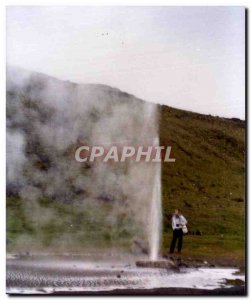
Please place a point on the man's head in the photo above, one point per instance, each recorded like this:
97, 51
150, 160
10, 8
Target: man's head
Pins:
176, 211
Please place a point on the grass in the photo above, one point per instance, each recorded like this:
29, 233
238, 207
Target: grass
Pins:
210, 246
206, 183
58, 226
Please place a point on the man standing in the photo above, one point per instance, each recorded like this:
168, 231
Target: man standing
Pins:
178, 220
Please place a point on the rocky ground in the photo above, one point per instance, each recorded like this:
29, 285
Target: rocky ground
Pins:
177, 275
237, 291
201, 261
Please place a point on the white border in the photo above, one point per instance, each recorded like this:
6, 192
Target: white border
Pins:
3, 5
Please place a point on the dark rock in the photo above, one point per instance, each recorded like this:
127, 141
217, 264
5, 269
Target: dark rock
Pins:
163, 264
183, 265
238, 200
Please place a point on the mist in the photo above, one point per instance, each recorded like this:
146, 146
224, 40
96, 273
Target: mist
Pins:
47, 119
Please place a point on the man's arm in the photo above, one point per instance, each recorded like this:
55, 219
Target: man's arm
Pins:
173, 223
183, 220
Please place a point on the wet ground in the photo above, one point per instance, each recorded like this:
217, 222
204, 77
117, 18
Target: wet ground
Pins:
67, 274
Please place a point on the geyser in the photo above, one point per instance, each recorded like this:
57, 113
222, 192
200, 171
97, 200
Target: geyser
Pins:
112, 204
155, 211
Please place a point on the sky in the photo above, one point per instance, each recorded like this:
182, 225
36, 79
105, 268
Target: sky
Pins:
191, 58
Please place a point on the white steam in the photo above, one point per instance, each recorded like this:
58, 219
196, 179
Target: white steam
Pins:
46, 120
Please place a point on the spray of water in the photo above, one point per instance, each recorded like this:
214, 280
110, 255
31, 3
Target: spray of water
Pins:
156, 212
46, 119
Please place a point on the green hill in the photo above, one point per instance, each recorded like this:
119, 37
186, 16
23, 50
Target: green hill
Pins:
206, 182
54, 203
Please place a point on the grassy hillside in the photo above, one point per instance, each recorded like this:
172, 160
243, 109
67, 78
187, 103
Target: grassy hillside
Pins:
52, 202
70, 230
206, 182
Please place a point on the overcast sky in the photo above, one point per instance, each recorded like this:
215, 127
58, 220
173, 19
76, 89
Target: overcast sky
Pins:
185, 57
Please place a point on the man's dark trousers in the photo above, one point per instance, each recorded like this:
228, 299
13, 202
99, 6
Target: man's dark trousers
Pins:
177, 234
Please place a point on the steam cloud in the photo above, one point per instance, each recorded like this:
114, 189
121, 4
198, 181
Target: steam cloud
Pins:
46, 120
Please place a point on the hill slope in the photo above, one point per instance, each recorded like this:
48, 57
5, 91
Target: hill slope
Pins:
206, 182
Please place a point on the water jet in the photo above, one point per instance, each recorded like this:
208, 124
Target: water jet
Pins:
155, 220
